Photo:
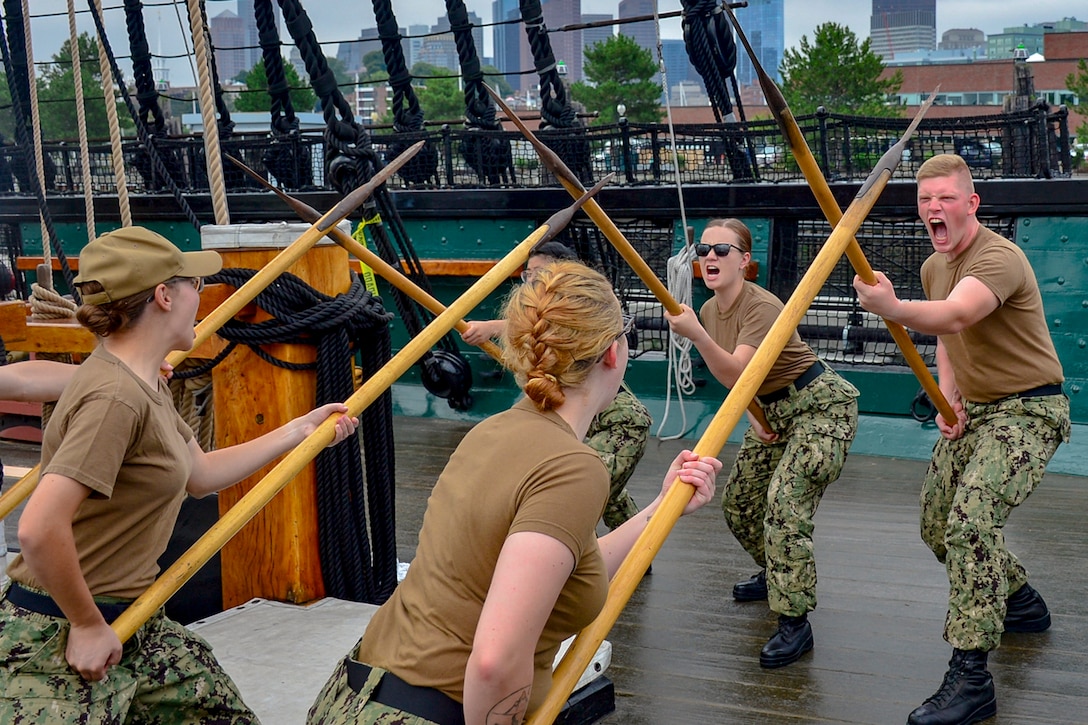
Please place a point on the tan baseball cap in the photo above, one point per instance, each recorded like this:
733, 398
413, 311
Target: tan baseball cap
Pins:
129, 260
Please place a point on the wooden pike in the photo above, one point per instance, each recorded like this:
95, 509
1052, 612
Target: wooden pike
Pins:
649, 542
247, 292
388, 272
252, 502
594, 211
816, 181
293, 252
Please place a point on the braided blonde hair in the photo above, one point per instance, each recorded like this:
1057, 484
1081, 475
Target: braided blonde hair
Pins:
557, 327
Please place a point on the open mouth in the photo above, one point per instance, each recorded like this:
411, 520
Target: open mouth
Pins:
711, 271
938, 229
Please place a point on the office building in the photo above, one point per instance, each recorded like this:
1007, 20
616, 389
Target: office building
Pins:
764, 26
903, 26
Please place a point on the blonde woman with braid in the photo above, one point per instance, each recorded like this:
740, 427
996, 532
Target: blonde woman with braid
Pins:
508, 563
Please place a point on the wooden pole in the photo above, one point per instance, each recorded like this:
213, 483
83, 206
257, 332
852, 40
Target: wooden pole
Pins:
387, 271
232, 521
816, 181
247, 292
611, 232
649, 542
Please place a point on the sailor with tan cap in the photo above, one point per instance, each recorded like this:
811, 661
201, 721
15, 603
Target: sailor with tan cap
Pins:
117, 461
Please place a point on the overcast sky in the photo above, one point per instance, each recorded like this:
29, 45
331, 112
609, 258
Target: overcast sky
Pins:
336, 20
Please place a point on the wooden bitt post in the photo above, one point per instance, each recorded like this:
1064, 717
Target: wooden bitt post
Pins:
276, 555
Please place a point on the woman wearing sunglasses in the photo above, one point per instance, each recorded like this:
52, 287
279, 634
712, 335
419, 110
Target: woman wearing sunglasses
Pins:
778, 477
469, 636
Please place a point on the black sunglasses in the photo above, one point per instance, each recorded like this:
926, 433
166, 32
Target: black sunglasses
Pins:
722, 250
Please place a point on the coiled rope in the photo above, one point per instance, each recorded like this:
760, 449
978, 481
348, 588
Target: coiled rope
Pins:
354, 566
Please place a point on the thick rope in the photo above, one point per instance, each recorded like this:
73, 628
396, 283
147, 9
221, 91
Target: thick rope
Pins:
212, 155
13, 67
354, 566
81, 123
407, 113
116, 153
36, 125
134, 21
47, 304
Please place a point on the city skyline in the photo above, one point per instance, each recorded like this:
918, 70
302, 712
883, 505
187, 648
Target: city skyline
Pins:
165, 32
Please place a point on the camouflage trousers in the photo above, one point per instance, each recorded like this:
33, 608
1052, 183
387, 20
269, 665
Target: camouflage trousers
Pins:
972, 485
619, 434
774, 489
337, 703
167, 676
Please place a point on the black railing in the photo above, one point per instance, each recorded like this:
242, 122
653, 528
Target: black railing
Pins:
1027, 144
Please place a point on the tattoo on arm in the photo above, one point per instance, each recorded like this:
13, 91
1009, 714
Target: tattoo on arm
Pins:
511, 709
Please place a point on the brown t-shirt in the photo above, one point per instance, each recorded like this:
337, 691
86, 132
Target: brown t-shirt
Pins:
1010, 350
520, 470
125, 441
747, 322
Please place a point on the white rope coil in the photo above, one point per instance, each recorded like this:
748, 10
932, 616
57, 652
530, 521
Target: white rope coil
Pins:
46, 304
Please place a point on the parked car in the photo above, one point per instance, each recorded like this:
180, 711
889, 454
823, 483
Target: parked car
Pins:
769, 155
979, 153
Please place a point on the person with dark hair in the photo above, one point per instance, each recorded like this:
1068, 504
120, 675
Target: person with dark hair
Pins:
998, 369
620, 433
117, 461
779, 477
470, 635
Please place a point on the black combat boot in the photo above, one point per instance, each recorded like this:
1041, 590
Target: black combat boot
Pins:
966, 696
1026, 611
752, 589
793, 639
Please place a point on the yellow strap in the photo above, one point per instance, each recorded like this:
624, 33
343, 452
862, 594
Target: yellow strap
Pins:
368, 274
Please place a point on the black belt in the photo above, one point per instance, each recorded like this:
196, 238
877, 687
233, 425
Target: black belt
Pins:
1039, 392
1042, 390
424, 702
30, 600
815, 370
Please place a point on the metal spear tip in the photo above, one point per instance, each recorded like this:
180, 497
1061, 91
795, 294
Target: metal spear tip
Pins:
353, 200
549, 158
893, 155
304, 211
559, 220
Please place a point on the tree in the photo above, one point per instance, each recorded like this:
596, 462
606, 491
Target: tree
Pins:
619, 70
57, 93
1078, 83
374, 61
441, 99
494, 78
839, 73
257, 99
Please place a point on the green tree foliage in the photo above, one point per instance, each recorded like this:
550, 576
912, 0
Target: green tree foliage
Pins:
374, 61
494, 78
619, 70
441, 100
256, 99
1078, 83
57, 93
839, 73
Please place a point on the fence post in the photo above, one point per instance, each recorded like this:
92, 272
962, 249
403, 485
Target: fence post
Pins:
625, 146
655, 156
1042, 169
1065, 160
821, 121
447, 149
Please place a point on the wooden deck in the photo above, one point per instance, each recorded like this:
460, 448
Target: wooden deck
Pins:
684, 653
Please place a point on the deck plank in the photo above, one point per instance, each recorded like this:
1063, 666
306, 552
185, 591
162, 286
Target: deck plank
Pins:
684, 652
